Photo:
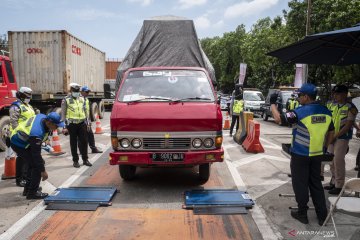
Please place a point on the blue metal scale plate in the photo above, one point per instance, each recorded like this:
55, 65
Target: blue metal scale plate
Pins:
217, 197
95, 195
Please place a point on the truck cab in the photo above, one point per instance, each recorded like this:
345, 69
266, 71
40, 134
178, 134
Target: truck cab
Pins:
166, 117
8, 88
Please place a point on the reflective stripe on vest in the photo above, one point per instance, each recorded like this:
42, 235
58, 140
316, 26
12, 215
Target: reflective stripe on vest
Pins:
75, 108
310, 132
238, 106
293, 104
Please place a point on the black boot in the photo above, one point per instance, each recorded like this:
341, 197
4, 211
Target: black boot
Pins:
331, 186
87, 163
36, 195
334, 191
20, 182
76, 164
25, 192
300, 216
96, 150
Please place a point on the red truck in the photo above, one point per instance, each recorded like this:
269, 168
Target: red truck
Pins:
8, 88
166, 117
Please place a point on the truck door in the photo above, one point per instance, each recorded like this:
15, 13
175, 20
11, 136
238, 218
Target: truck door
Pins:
7, 84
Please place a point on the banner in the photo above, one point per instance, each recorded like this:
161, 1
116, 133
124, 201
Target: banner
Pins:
242, 73
299, 75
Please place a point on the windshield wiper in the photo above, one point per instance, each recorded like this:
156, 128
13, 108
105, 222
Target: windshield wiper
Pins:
150, 98
191, 98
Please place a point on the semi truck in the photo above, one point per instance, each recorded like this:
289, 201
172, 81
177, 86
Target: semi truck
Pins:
166, 112
47, 62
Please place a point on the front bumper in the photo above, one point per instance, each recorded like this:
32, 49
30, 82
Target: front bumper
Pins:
144, 159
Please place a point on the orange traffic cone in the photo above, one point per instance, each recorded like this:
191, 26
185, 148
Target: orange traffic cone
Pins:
56, 143
10, 164
98, 129
227, 122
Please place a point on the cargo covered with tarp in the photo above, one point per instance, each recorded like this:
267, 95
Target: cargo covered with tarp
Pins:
166, 41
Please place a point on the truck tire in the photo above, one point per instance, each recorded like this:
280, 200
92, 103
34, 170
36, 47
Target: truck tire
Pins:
101, 109
204, 172
94, 111
4, 128
265, 116
127, 172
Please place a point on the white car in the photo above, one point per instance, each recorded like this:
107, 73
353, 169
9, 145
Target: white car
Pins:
253, 100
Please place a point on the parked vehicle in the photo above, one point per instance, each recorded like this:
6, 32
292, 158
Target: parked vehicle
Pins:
48, 61
166, 116
283, 95
8, 89
253, 100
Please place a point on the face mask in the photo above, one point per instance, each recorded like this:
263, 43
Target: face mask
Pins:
26, 100
75, 94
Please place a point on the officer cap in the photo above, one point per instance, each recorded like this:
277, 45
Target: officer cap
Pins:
85, 89
308, 89
55, 118
74, 86
341, 89
25, 91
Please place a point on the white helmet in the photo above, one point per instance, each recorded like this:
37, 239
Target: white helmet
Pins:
74, 86
25, 92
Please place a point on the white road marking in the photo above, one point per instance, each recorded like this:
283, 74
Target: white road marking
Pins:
253, 158
270, 143
30, 216
256, 212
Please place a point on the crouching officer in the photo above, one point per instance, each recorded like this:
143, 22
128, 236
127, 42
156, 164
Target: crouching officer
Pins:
26, 141
19, 112
73, 112
313, 131
85, 92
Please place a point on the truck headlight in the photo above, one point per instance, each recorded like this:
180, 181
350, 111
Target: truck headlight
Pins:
196, 143
208, 142
136, 143
125, 143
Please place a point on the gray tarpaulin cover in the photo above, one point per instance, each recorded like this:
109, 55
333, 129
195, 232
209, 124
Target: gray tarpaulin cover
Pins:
166, 41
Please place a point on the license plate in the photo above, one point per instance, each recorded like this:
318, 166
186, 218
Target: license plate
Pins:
168, 157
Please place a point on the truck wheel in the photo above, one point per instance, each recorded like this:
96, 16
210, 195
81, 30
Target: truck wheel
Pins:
101, 109
265, 116
204, 171
127, 172
94, 111
4, 128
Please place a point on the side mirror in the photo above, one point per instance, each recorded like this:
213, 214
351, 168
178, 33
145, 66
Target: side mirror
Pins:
107, 91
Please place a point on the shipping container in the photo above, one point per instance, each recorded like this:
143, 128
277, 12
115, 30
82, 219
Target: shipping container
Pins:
48, 61
112, 65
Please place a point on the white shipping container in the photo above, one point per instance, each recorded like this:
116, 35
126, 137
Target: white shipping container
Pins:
48, 61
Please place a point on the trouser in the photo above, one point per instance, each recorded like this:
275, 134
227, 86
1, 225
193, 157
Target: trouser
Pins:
337, 166
234, 119
358, 158
34, 170
305, 174
22, 167
78, 136
91, 138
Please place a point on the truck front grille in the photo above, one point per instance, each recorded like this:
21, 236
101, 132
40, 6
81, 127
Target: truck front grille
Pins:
167, 143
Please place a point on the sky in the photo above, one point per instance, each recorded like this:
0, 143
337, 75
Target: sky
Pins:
112, 25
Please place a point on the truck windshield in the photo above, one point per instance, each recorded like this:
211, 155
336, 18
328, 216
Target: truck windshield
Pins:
166, 85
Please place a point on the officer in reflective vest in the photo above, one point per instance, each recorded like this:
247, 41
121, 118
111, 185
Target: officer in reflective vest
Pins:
19, 112
237, 107
292, 103
344, 114
312, 133
73, 112
26, 141
85, 90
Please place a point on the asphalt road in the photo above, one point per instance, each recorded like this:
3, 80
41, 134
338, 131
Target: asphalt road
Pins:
151, 206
